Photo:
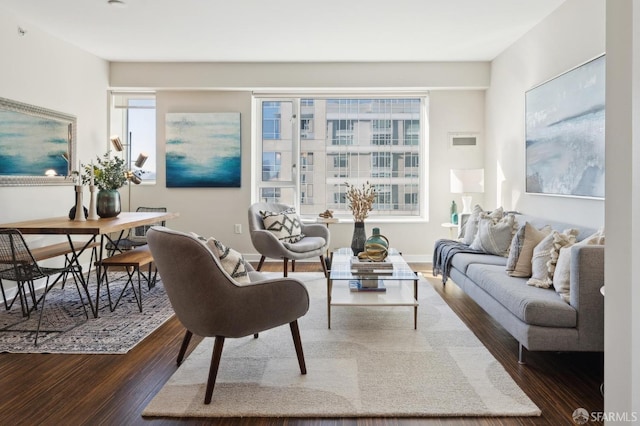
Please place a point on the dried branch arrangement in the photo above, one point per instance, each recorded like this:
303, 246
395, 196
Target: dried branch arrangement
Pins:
360, 200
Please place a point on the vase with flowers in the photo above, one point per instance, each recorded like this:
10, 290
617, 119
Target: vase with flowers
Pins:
360, 203
109, 175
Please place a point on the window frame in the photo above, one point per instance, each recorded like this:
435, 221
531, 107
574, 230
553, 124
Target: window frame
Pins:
298, 103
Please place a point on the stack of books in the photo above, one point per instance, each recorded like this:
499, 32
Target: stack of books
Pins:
367, 285
361, 266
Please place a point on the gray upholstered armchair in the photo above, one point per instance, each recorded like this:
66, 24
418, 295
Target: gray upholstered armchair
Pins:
208, 302
315, 241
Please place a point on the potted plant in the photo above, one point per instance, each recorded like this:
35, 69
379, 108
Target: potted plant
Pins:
360, 203
109, 174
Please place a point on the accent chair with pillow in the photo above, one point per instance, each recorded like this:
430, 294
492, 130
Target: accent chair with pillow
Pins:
210, 303
278, 233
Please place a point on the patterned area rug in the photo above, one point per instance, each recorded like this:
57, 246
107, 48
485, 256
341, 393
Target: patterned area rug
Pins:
371, 363
65, 329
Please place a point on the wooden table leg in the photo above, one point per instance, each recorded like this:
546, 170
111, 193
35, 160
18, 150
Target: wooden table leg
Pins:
329, 288
415, 308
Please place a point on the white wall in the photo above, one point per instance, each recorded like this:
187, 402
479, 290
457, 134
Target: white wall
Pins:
622, 259
40, 70
570, 36
573, 34
214, 211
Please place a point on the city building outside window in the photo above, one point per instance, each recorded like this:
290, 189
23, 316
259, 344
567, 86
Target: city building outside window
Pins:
323, 142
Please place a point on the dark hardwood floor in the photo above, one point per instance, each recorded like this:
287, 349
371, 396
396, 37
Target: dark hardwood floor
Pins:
50, 389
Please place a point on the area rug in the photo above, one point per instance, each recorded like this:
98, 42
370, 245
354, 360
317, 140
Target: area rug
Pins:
371, 363
65, 328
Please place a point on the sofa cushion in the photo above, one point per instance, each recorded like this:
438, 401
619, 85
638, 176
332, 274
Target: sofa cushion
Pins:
494, 237
545, 256
471, 227
521, 251
461, 261
306, 244
562, 273
532, 305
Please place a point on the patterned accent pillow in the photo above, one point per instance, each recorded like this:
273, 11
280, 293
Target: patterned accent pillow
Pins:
494, 237
285, 225
232, 261
521, 250
562, 273
545, 256
471, 227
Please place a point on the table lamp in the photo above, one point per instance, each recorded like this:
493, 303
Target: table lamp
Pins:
466, 181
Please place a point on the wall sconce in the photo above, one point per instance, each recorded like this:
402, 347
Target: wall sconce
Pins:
465, 181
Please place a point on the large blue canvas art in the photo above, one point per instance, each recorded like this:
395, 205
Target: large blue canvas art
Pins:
32, 146
203, 150
565, 122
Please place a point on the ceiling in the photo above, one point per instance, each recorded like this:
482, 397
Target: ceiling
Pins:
284, 30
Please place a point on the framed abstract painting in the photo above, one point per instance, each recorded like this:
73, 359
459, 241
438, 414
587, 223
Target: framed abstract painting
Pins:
37, 145
203, 150
565, 123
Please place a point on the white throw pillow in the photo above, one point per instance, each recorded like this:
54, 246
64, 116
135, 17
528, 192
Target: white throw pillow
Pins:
562, 273
521, 250
285, 225
494, 237
545, 256
471, 227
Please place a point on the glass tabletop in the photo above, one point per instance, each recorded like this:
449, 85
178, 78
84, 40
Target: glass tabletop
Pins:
346, 266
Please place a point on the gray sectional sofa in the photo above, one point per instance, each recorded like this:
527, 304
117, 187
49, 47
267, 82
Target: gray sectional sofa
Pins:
538, 318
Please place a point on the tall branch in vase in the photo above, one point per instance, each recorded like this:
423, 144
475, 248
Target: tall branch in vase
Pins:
360, 200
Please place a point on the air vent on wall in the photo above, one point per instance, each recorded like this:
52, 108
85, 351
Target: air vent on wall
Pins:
463, 140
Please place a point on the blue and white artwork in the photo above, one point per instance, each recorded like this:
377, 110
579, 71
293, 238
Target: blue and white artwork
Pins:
32, 145
203, 150
565, 122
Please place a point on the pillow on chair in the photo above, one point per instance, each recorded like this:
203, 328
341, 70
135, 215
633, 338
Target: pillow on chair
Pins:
285, 225
231, 260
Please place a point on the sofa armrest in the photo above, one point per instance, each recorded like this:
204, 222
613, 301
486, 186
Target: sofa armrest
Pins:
587, 276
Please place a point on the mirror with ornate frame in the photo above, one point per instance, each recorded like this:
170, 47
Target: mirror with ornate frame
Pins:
37, 145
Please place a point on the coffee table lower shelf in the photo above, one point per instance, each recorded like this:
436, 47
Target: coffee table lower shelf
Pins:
397, 293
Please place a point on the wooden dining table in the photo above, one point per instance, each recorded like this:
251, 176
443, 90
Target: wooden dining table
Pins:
101, 228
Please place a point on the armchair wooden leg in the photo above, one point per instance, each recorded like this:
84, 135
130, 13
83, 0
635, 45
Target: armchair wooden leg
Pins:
324, 266
286, 266
260, 264
293, 265
184, 346
213, 369
295, 332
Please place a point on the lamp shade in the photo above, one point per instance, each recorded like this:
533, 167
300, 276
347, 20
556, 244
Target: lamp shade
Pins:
142, 158
464, 181
117, 143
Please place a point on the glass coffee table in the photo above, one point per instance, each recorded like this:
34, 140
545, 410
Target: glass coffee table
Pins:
352, 284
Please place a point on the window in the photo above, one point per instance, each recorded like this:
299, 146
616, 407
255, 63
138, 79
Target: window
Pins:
326, 142
132, 117
270, 165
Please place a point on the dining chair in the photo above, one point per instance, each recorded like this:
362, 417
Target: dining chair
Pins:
137, 236
18, 264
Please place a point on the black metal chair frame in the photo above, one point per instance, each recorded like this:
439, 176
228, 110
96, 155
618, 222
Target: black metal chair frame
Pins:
139, 237
23, 269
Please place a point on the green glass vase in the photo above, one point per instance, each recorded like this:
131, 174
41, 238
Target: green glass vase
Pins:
108, 203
